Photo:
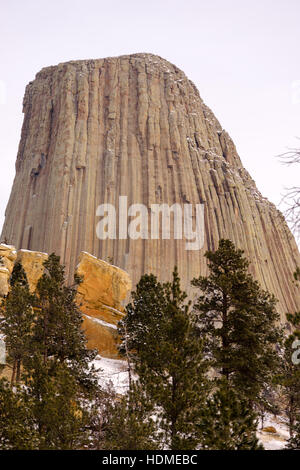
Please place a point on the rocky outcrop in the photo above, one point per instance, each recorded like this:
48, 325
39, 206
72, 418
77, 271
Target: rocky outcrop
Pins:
32, 262
100, 296
8, 256
136, 126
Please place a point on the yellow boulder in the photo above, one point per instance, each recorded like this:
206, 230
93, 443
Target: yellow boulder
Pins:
32, 262
100, 297
8, 256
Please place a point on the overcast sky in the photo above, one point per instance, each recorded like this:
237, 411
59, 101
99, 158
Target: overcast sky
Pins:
242, 55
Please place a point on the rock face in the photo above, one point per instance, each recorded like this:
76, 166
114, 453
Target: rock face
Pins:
32, 262
136, 126
8, 256
100, 296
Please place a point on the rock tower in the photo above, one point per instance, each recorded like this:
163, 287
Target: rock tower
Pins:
135, 126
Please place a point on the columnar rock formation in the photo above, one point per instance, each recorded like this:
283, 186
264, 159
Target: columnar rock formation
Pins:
136, 126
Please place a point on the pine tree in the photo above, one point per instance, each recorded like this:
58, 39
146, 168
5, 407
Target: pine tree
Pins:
240, 322
167, 356
100, 415
60, 414
143, 318
17, 426
130, 425
58, 376
58, 329
58, 382
294, 441
268, 402
17, 321
229, 423
289, 375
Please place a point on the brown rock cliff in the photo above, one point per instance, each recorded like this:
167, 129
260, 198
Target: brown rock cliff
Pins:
135, 125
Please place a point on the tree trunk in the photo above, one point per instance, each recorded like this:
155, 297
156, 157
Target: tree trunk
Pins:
173, 418
18, 373
12, 380
291, 416
225, 344
128, 360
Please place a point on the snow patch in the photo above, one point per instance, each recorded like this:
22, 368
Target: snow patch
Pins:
101, 322
89, 254
274, 441
3, 269
99, 259
115, 310
37, 253
114, 371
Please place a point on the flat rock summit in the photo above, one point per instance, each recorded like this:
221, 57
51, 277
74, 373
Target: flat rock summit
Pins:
136, 126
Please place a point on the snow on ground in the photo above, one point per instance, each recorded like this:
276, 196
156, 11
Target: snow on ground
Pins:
114, 371
274, 441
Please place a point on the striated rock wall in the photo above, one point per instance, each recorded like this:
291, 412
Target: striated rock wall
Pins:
100, 296
135, 125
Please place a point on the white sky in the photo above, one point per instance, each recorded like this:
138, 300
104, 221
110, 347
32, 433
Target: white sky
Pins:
243, 56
